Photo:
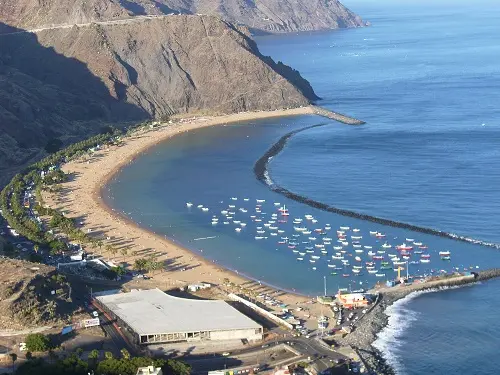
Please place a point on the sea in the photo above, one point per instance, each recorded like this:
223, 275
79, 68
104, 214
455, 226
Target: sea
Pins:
425, 77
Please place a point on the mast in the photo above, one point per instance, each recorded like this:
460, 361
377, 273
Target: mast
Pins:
324, 279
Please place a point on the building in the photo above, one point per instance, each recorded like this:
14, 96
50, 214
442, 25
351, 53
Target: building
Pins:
151, 317
353, 300
150, 370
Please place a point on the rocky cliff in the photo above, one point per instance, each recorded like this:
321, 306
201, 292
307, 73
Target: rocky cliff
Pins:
68, 82
260, 15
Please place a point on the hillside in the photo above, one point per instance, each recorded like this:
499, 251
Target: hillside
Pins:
67, 83
26, 298
260, 15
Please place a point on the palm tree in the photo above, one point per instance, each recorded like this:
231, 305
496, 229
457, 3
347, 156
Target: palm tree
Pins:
13, 358
124, 252
99, 243
108, 355
125, 354
94, 354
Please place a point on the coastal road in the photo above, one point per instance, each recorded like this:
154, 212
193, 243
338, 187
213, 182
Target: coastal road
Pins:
87, 24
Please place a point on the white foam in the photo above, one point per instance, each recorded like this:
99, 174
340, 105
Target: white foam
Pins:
267, 177
400, 318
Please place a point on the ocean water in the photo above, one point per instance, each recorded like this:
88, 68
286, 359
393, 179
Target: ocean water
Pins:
425, 77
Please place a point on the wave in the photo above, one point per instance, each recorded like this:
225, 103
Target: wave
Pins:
400, 318
262, 174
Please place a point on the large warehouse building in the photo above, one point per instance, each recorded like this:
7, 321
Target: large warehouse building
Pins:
151, 316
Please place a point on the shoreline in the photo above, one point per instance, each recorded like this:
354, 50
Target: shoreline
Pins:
83, 199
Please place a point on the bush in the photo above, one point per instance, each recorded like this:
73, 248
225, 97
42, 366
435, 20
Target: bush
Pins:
36, 342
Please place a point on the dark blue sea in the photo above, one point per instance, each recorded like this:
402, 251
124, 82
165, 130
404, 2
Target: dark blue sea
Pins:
425, 77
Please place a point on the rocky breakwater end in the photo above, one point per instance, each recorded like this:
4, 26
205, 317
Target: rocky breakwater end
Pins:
336, 116
369, 326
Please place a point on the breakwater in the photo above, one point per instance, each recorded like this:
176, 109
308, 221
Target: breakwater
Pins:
336, 116
366, 331
262, 174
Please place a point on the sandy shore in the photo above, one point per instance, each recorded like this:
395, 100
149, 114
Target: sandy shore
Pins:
81, 198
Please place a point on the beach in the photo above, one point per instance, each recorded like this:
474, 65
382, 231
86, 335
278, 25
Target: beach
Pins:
81, 198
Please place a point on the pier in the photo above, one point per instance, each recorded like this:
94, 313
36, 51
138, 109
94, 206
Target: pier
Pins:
336, 116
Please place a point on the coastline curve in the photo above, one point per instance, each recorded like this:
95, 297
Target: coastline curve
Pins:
262, 174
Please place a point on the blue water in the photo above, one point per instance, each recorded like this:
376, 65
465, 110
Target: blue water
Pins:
425, 77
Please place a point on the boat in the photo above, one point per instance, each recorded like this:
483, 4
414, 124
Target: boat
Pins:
231, 206
204, 209
314, 268
373, 232
425, 260
371, 253
444, 253
315, 257
340, 232
246, 199
425, 256
273, 234
380, 251
237, 229
277, 204
345, 275
446, 257
312, 238
259, 237
345, 243
307, 232
234, 198
380, 274
345, 228
356, 237
368, 247
358, 259
300, 258
359, 251
226, 222
314, 221
377, 257
399, 263
189, 204
324, 252
200, 206
312, 261
417, 243
302, 254
418, 252
423, 247
380, 235
372, 271
260, 200
331, 265
333, 273
356, 230
356, 270
337, 248
386, 246
299, 229
410, 240
404, 246
386, 267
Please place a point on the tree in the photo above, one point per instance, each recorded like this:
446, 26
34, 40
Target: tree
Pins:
94, 355
108, 355
29, 356
99, 243
124, 252
53, 145
36, 248
125, 354
79, 352
13, 358
36, 342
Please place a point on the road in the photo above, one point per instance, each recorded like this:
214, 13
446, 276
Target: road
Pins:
87, 24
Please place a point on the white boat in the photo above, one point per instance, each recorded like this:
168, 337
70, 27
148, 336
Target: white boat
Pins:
274, 234
226, 222
356, 271
237, 221
200, 206
307, 232
380, 274
345, 228
356, 246
231, 206
312, 261
267, 225
259, 237
340, 232
309, 217
356, 230
281, 231
368, 247
243, 210
234, 198
399, 263
295, 251
425, 260
246, 199
444, 253
336, 257
410, 239
357, 267
243, 224
314, 268
324, 252
261, 231
273, 228
312, 238
392, 255
302, 254
299, 229
310, 251
314, 221
358, 259
258, 220
277, 204
345, 261
372, 271
356, 237
345, 243
327, 242
315, 257
204, 209
386, 246
300, 258
260, 200
371, 253
319, 246
373, 232
327, 239
237, 229
337, 248
331, 265
359, 251
189, 204
381, 251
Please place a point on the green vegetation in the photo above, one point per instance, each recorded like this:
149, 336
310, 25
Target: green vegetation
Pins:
147, 264
111, 366
36, 342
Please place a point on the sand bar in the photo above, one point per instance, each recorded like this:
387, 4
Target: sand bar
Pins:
81, 198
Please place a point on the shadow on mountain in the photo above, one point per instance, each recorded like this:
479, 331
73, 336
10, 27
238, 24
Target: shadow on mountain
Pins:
46, 95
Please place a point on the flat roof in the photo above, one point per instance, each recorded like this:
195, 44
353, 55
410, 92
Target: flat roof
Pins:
152, 311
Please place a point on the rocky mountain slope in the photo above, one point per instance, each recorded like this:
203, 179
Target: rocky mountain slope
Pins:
68, 82
261, 15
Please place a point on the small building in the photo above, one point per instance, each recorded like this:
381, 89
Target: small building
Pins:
353, 300
152, 317
150, 370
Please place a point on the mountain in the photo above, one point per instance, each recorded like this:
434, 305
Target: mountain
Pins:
68, 83
259, 15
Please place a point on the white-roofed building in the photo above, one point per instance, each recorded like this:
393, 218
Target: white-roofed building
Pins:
151, 316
